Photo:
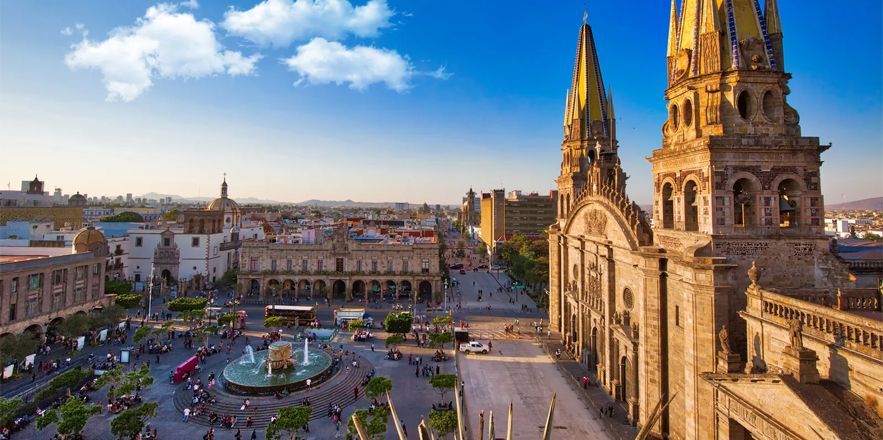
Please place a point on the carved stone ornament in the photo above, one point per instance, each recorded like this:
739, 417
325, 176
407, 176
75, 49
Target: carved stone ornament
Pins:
596, 223
753, 53
795, 328
752, 274
682, 63
724, 337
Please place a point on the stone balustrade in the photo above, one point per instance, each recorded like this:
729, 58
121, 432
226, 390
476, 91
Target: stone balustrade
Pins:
838, 327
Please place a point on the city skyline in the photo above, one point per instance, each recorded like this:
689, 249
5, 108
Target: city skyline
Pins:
422, 113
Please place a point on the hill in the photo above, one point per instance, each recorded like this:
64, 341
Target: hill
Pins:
872, 204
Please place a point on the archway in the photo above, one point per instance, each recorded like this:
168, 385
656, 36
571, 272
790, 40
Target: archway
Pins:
52, 328
743, 202
273, 287
36, 330
254, 288
359, 289
594, 340
691, 206
338, 289
390, 289
789, 203
623, 378
668, 206
574, 337
304, 287
424, 290
289, 290
406, 289
320, 288
375, 289
166, 275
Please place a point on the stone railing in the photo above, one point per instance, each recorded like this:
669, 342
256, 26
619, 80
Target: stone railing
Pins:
865, 266
867, 300
634, 216
840, 328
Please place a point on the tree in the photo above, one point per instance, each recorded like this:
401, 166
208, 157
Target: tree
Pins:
289, 419
443, 422
8, 409
15, 347
126, 216
398, 322
394, 340
69, 418
191, 309
229, 278
226, 318
141, 333
108, 317
171, 215
443, 383
127, 300
124, 382
872, 236
440, 339
274, 321
442, 320
378, 386
374, 423
357, 323
117, 287
131, 421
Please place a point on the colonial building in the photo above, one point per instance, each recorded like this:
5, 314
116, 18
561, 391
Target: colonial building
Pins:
674, 311
38, 292
340, 266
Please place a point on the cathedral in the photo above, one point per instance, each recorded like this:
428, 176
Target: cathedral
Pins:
728, 305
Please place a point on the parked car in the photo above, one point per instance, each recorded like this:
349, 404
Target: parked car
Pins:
456, 266
474, 347
462, 271
482, 266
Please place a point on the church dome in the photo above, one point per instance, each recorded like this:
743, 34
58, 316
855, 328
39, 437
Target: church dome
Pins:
90, 239
77, 200
223, 204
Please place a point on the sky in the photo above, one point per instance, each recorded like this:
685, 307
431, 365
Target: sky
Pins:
377, 100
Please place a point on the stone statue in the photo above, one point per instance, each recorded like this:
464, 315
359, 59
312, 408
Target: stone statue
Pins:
724, 337
794, 331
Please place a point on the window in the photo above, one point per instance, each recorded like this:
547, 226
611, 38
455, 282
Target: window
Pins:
57, 277
745, 104
13, 285
254, 265
688, 113
770, 106
678, 316
668, 206
305, 265
319, 265
404, 265
194, 242
166, 241
118, 250
358, 265
673, 116
137, 277
373, 265
273, 265
288, 265
743, 203
338, 265
425, 266
34, 281
691, 207
139, 241
789, 203
389, 265
12, 308
97, 269
80, 295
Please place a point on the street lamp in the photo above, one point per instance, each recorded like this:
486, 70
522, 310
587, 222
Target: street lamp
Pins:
446, 296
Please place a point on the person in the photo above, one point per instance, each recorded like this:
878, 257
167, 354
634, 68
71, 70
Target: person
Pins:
585, 382
254, 435
356, 393
186, 415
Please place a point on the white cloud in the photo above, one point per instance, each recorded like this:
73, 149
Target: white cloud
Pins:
282, 22
440, 73
322, 62
192, 4
163, 43
67, 31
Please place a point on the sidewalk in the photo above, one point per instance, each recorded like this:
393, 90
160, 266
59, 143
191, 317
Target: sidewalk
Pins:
594, 395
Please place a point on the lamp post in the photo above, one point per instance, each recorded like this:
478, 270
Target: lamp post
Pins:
446, 296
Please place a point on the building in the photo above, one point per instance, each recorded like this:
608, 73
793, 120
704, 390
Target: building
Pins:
38, 291
470, 210
339, 266
502, 216
731, 305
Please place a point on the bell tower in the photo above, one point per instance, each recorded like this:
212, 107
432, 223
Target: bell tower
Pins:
589, 149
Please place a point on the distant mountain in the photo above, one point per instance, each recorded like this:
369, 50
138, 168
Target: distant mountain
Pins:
347, 204
311, 202
241, 201
874, 203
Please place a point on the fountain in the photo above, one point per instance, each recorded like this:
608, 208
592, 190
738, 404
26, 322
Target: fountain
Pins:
306, 352
276, 369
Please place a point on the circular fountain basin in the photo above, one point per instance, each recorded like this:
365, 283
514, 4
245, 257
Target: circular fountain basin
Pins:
243, 376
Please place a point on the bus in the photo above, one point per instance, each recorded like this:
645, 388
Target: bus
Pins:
293, 315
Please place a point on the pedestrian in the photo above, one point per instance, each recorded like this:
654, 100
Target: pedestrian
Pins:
585, 382
186, 415
254, 435
355, 393
417, 371
239, 434
437, 369
372, 347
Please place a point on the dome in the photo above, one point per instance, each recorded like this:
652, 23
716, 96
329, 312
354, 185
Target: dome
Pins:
90, 240
77, 200
223, 204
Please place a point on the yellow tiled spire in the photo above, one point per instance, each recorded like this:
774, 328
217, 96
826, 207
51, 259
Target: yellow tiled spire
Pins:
773, 25
587, 102
672, 49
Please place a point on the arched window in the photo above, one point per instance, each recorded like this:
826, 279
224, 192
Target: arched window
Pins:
688, 113
673, 117
745, 105
668, 206
567, 205
743, 203
789, 203
691, 206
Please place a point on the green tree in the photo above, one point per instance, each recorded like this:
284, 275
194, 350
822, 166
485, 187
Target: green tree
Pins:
123, 381
117, 287
74, 326
443, 383
442, 320
108, 317
127, 300
229, 278
63, 382
191, 309
872, 236
378, 386
357, 323
8, 409
69, 418
398, 322
274, 322
130, 422
443, 422
141, 333
289, 419
226, 318
440, 339
16, 346
126, 216
394, 340
374, 423
171, 215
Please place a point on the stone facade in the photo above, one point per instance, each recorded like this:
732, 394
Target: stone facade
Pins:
338, 266
38, 293
735, 184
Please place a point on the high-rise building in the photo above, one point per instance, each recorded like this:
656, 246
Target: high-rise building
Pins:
731, 306
502, 217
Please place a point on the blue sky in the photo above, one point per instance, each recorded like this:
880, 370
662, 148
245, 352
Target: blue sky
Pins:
423, 100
